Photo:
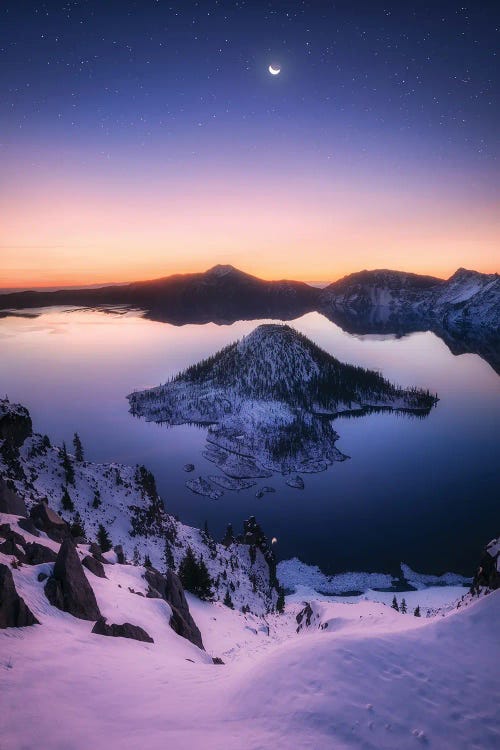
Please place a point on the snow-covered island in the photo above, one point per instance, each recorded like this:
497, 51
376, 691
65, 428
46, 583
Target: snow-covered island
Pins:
268, 401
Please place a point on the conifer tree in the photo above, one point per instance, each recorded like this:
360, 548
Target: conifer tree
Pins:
147, 562
280, 604
168, 556
228, 601
228, 536
394, 604
96, 502
135, 556
77, 444
103, 539
417, 611
67, 466
77, 528
194, 575
66, 501
403, 607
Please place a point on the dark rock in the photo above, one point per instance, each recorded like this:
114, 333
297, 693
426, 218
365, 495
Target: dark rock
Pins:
36, 554
96, 552
68, 588
127, 630
217, 660
26, 524
14, 544
120, 554
188, 467
13, 610
49, 521
304, 617
10, 501
94, 566
170, 589
15, 423
488, 573
41, 577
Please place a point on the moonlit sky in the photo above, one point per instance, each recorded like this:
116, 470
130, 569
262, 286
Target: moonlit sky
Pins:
145, 138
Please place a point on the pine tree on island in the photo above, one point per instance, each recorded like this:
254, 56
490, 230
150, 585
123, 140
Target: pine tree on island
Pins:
403, 607
417, 611
395, 604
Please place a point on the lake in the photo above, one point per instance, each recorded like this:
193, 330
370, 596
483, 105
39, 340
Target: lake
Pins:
420, 491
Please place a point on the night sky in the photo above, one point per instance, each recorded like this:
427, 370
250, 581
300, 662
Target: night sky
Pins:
144, 138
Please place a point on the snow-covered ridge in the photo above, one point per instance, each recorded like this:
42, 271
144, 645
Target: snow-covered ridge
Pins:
296, 575
125, 501
268, 401
467, 298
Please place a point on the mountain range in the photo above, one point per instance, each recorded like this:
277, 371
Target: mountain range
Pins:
463, 310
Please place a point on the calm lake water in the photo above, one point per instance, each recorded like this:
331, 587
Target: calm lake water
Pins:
421, 491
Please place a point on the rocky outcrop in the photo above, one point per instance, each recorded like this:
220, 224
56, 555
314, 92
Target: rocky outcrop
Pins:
488, 573
68, 588
12, 543
14, 613
170, 589
304, 617
49, 521
126, 630
15, 423
36, 554
26, 524
120, 554
10, 501
95, 567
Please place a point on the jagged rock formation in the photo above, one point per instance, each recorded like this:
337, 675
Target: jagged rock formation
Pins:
49, 521
126, 630
488, 573
15, 423
13, 611
10, 502
95, 567
125, 501
170, 589
68, 588
268, 400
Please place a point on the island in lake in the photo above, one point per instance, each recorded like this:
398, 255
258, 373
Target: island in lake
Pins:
268, 401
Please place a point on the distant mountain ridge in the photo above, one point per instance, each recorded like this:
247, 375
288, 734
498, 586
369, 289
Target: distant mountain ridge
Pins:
463, 310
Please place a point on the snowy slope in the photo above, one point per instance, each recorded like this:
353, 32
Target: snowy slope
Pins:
132, 512
360, 676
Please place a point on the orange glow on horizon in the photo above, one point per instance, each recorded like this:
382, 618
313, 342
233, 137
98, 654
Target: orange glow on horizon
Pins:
65, 233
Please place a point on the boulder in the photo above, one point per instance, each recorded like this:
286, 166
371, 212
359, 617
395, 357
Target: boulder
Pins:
13, 610
120, 554
170, 589
126, 630
94, 566
36, 554
10, 501
68, 588
96, 552
13, 544
488, 572
49, 521
26, 524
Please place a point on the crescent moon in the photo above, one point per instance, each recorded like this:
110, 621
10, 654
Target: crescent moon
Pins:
274, 71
